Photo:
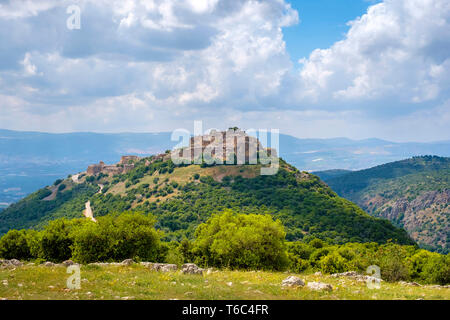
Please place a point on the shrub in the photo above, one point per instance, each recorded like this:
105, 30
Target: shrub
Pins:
57, 238
91, 244
297, 264
242, 241
332, 263
437, 270
317, 243
392, 262
300, 249
318, 254
126, 236
186, 249
18, 244
419, 264
174, 257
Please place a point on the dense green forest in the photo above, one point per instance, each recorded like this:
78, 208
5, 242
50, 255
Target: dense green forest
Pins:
33, 211
183, 197
413, 194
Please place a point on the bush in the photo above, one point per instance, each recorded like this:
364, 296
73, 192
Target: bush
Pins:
57, 238
318, 254
392, 262
174, 257
419, 264
300, 249
186, 249
92, 243
127, 236
333, 263
316, 243
437, 270
18, 244
297, 264
241, 241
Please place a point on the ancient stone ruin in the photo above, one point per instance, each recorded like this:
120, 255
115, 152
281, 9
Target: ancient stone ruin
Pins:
233, 146
125, 165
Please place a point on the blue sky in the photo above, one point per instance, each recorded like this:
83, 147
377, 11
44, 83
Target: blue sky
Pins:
313, 69
323, 22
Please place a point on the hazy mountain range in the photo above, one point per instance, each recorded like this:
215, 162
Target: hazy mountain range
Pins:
31, 160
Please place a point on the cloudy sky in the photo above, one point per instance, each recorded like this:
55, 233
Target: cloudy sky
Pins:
323, 68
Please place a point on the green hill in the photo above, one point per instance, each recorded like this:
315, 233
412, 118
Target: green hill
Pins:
182, 197
413, 194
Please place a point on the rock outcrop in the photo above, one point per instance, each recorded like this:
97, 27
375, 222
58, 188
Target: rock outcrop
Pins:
293, 281
163, 267
191, 268
355, 276
319, 286
68, 263
127, 262
11, 263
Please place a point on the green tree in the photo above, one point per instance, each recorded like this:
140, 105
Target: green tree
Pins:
18, 244
437, 270
56, 239
242, 241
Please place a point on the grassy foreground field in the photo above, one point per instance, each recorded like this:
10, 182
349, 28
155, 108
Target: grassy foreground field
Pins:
138, 282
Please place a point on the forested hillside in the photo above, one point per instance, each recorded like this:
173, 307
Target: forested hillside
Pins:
31, 160
413, 193
183, 197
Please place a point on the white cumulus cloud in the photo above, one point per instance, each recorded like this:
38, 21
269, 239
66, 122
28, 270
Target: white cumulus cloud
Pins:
153, 65
398, 51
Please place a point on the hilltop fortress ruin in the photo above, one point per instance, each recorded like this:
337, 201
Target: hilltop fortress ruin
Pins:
233, 146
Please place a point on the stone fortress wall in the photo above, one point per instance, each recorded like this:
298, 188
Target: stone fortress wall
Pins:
125, 165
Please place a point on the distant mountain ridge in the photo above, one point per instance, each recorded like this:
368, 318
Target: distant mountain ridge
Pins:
32, 160
413, 194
